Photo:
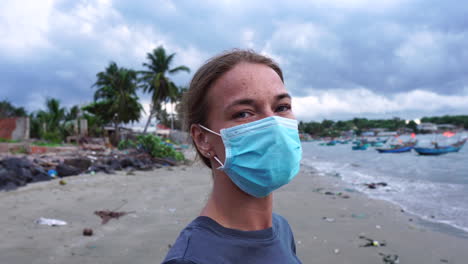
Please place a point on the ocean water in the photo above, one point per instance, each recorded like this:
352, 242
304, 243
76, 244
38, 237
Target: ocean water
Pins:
432, 187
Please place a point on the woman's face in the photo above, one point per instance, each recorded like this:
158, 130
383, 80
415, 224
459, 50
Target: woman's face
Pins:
246, 93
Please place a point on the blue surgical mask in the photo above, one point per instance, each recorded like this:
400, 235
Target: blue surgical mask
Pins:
261, 156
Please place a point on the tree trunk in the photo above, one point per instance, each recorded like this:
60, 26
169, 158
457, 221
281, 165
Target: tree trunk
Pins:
116, 134
172, 116
149, 120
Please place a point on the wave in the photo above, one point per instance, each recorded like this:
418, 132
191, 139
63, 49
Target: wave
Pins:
437, 202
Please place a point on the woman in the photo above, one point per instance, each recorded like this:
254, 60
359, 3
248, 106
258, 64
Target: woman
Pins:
239, 116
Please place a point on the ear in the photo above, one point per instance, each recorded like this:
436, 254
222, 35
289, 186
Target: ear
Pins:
200, 138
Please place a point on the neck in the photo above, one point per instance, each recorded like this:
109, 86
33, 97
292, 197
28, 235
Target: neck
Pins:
233, 208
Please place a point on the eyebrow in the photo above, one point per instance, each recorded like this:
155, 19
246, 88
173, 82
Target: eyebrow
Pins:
248, 101
244, 101
282, 96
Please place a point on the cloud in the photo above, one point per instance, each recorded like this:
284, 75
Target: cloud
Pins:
75, 41
24, 26
384, 50
361, 102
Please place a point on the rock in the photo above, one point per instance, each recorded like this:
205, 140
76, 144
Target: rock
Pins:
26, 174
127, 162
64, 170
100, 167
8, 181
16, 172
40, 174
13, 163
114, 164
80, 163
87, 232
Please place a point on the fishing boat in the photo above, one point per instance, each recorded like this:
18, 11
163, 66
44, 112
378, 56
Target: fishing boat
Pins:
377, 144
439, 150
360, 147
397, 148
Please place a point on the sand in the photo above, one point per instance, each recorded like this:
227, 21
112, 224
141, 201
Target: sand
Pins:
163, 201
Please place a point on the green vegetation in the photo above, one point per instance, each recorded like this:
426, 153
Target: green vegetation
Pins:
156, 83
115, 100
329, 128
54, 123
458, 120
9, 110
46, 144
5, 140
154, 146
126, 144
19, 150
358, 125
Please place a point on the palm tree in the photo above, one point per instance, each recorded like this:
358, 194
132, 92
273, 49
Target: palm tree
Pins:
115, 100
53, 115
9, 110
176, 102
155, 80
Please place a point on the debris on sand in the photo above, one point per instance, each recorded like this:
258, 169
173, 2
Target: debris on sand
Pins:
390, 259
375, 185
19, 171
107, 215
372, 242
87, 232
50, 222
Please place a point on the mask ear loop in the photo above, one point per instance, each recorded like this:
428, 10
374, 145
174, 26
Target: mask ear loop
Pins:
216, 158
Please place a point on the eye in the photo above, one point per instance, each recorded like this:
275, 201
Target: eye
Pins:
242, 114
283, 108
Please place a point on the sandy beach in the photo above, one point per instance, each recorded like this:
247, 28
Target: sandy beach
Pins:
327, 227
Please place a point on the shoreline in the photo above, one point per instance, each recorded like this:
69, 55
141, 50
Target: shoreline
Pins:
336, 223
327, 228
433, 224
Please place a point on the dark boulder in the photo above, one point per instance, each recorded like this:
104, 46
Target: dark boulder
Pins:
101, 168
15, 172
64, 170
80, 163
114, 164
127, 162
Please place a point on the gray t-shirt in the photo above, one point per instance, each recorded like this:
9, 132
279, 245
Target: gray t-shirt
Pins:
204, 241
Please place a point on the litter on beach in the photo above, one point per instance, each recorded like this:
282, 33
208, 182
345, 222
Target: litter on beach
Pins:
390, 259
50, 222
107, 215
372, 243
87, 232
329, 219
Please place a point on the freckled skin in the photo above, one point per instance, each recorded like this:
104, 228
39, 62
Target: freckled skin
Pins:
245, 80
263, 89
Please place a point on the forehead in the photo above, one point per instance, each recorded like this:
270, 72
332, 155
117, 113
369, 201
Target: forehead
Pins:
246, 80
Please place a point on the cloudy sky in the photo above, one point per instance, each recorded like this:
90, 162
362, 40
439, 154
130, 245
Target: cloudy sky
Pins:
341, 58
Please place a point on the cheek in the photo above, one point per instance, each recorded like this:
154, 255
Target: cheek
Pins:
218, 147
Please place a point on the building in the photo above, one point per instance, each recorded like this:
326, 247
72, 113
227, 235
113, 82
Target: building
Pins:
446, 127
14, 128
387, 134
162, 130
428, 127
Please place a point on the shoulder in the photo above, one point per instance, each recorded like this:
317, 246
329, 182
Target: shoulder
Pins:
195, 235
179, 261
178, 251
281, 223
